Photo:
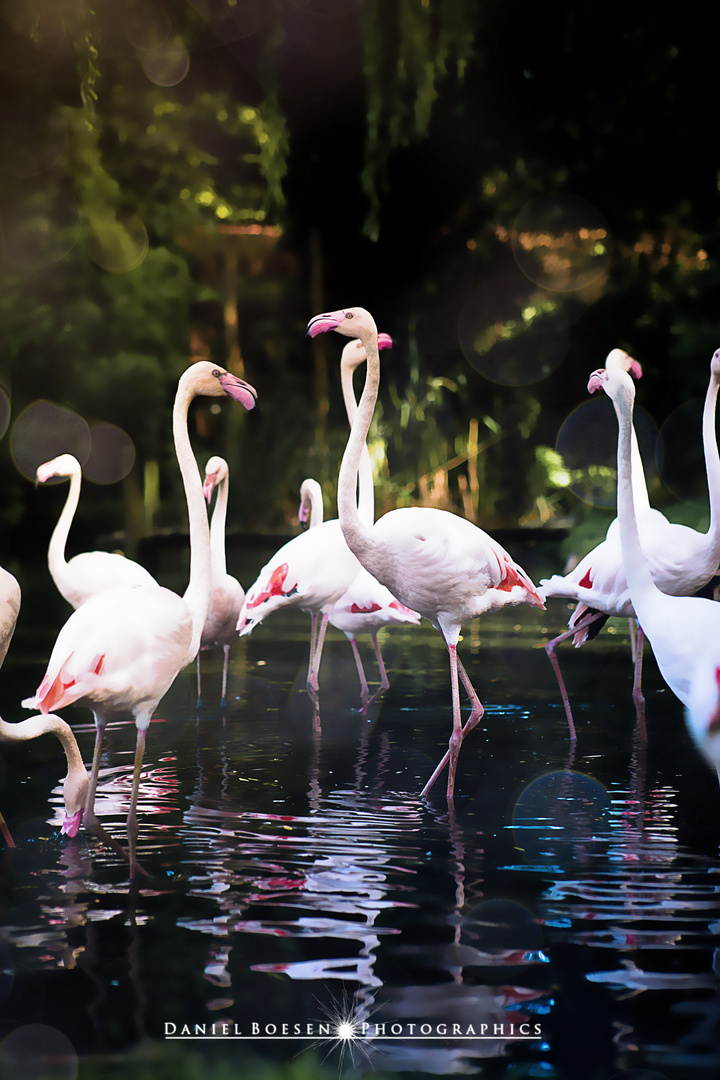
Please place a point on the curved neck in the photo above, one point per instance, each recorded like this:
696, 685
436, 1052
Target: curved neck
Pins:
712, 457
35, 726
197, 594
366, 489
217, 528
355, 530
638, 575
56, 551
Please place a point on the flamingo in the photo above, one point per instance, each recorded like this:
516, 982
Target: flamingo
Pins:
89, 573
76, 782
683, 631
311, 571
433, 561
228, 595
121, 651
366, 607
681, 559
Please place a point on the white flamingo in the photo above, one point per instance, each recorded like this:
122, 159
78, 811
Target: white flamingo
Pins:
433, 561
683, 631
365, 608
122, 650
76, 782
227, 596
83, 575
681, 560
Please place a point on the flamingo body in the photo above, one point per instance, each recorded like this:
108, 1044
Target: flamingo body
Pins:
433, 561
121, 650
86, 574
684, 631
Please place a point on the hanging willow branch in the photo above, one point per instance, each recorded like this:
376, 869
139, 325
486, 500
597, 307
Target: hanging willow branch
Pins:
409, 47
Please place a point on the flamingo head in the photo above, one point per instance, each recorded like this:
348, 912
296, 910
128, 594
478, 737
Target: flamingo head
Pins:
75, 791
216, 471
64, 465
619, 359
353, 322
616, 383
715, 365
209, 380
310, 511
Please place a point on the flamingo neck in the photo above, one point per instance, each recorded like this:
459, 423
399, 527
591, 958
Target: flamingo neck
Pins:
217, 529
35, 726
639, 483
638, 575
712, 465
366, 488
197, 594
57, 561
355, 529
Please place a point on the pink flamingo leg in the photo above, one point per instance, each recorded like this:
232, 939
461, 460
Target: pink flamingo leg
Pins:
226, 659
364, 692
384, 681
132, 823
637, 694
6, 832
90, 819
551, 650
315, 655
459, 732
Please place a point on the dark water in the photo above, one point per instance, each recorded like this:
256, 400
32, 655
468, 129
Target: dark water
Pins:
560, 921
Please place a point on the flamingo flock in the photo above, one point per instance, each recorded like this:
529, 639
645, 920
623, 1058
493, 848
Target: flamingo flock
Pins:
128, 638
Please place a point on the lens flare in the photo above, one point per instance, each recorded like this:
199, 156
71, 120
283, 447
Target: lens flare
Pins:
42, 431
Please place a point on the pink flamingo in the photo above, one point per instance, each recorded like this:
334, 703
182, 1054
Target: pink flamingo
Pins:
683, 631
366, 607
681, 560
227, 596
89, 573
122, 650
76, 782
312, 571
433, 561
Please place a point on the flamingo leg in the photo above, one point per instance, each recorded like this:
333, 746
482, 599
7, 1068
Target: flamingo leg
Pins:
132, 824
90, 819
637, 694
312, 680
313, 643
364, 692
631, 627
551, 650
476, 714
226, 659
199, 702
384, 681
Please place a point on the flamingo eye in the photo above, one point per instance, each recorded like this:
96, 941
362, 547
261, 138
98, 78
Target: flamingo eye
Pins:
349, 315
217, 373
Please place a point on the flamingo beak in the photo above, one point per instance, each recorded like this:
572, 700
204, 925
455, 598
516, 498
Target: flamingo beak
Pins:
238, 389
209, 487
596, 380
71, 824
322, 323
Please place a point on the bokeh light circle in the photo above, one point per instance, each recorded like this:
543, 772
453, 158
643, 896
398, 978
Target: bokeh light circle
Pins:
168, 64
587, 443
561, 242
680, 455
41, 229
558, 816
37, 1052
112, 454
500, 927
42, 431
511, 335
118, 244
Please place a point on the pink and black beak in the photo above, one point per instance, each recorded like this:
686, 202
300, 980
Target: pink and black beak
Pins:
320, 324
71, 824
237, 389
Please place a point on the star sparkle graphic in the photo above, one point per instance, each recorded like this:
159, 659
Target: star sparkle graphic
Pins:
348, 1018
